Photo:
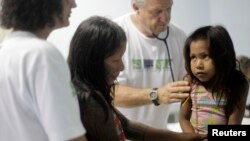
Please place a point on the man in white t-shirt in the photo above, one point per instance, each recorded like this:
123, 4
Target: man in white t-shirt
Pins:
36, 98
153, 60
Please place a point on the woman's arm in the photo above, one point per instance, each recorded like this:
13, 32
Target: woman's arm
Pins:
139, 132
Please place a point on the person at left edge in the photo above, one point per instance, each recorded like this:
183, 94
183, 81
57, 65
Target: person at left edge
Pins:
36, 100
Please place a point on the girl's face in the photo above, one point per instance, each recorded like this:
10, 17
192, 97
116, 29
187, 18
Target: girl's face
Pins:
114, 64
202, 66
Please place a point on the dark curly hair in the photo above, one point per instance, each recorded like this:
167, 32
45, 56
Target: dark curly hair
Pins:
29, 15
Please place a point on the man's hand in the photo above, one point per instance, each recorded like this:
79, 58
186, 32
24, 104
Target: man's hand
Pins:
174, 92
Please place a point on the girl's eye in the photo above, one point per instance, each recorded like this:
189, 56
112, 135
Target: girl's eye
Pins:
206, 57
192, 57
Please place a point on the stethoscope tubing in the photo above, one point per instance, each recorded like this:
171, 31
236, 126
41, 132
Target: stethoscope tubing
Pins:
166, 44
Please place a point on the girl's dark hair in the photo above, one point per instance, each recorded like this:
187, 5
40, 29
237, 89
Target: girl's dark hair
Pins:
227, 80
95, 39
29, 15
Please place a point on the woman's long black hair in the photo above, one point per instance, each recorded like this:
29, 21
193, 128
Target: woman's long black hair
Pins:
95, 39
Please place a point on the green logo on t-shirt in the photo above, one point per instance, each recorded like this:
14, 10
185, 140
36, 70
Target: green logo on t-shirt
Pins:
136, 64
162, 64
159, 64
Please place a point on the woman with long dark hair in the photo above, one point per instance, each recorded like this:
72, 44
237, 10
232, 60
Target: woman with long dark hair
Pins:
95, 60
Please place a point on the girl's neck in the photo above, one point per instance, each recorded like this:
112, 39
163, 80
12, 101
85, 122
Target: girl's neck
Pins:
207, 85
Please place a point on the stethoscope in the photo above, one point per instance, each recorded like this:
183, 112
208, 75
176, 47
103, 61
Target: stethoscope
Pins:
166, 44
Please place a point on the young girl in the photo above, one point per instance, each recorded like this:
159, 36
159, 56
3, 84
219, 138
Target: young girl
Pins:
219, 90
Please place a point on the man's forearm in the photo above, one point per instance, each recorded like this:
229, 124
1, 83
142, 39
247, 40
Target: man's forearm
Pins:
130, 97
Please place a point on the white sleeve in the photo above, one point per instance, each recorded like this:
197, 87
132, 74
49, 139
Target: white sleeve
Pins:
56, 106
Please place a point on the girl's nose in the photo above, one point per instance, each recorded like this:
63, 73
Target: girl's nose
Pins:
199, 63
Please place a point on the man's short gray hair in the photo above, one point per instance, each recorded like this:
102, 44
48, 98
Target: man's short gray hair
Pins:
139, 3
